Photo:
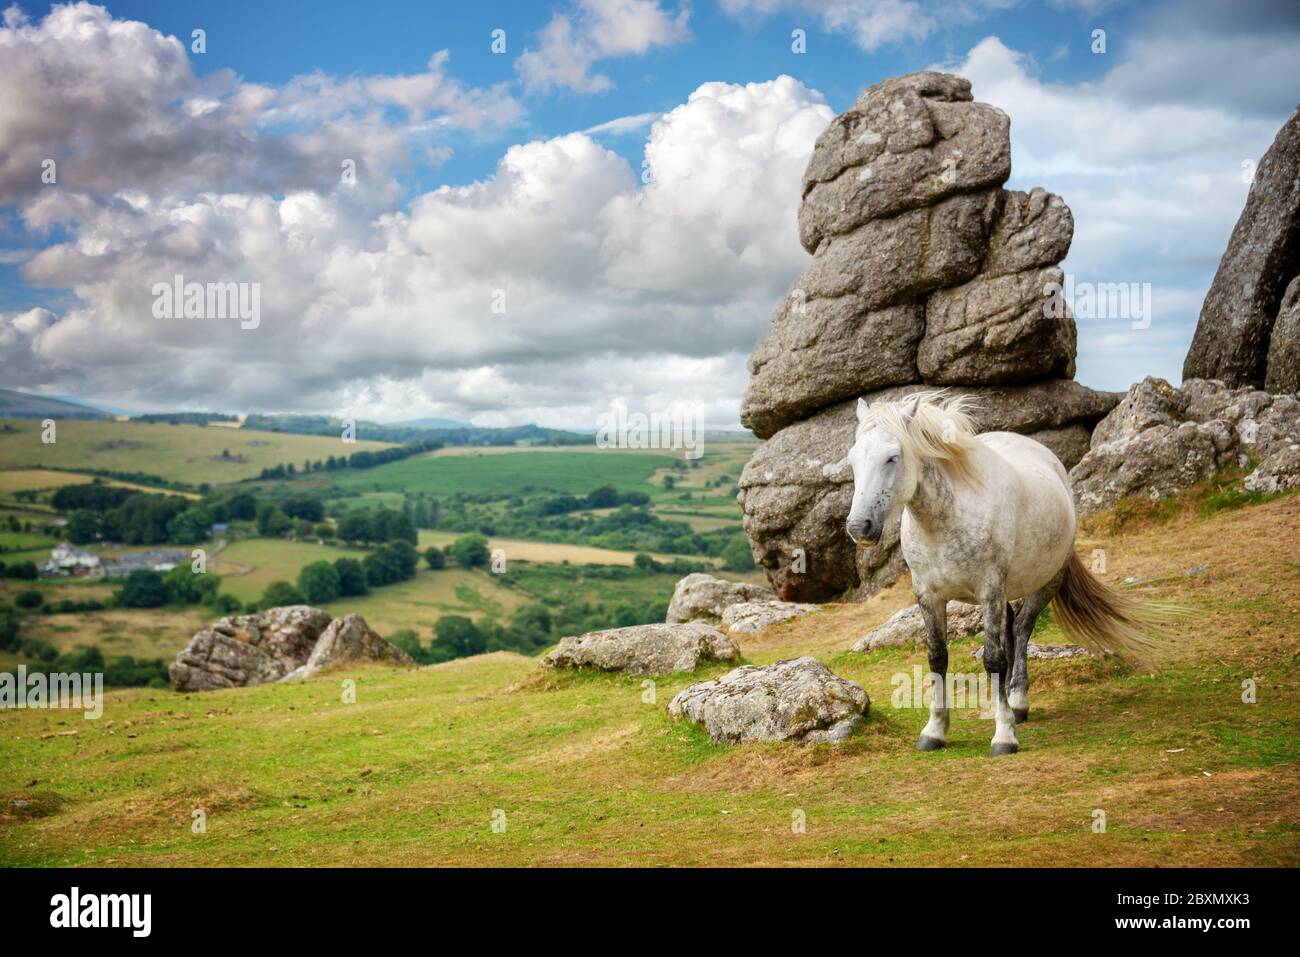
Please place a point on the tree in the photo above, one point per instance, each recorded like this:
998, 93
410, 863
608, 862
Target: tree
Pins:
435, 557
737, 557
354, 527
9, 621
143, 588
604, 497
281, 593
390, 562
305, 507
83, 526
187, 587
457, 636
319, 581
352, 577
30, 598
271, 521
470, 551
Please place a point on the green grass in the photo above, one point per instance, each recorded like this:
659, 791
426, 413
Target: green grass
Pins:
247, 566
512, 473
186, 453
587, 772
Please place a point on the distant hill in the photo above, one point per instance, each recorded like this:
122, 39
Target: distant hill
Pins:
24, 405
431, 423
461, 435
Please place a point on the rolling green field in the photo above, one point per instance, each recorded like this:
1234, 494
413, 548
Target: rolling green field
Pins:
587, 769
512, 473
185, 453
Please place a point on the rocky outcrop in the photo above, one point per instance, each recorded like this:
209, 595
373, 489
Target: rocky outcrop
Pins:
345, 640
752, 617
925, 273
1246, 335
796, 499
644, 649
270, 645
1160, 440
800, 699
701, 597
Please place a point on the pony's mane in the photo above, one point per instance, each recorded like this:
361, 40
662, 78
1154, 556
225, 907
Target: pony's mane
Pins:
942, 428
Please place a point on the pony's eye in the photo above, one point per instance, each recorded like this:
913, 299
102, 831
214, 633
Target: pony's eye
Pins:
891, 460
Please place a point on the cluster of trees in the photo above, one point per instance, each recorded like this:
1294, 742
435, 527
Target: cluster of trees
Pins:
23, 571
119, 672
367, 526
325, 581
607, 496
146, 588
104, 513
364, 459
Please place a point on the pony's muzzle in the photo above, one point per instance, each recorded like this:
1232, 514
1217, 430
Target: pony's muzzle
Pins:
865, 533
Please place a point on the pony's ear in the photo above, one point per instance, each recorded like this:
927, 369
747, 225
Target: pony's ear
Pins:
909, 410
863, 410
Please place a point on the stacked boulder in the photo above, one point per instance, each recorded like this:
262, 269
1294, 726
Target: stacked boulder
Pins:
925, 273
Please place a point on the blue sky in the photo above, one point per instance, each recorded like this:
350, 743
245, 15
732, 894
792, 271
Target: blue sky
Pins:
477, 178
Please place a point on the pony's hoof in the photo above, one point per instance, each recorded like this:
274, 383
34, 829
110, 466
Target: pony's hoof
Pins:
927, 743
1004, 747
1021, 714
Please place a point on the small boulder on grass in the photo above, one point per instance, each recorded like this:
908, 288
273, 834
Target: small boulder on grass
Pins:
751, 617
800, 699
906, 627
701, 597
644, 649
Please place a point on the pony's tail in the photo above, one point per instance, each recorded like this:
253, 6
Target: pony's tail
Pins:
1105, 620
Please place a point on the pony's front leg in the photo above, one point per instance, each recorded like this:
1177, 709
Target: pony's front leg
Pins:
935, 614
998, 665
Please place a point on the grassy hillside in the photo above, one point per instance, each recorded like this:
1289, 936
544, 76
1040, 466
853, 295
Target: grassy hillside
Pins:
22, 405
586, 772
558, 471
186, 453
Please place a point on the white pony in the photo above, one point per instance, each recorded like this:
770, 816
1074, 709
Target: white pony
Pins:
987, 519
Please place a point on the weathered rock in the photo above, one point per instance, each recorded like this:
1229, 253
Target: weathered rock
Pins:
1160, 440
797, 699
248, 649
831, 352
1034, 230
701, 597
751, 617
1043, 652
644, 649
1279, 471
1232, 340
1283, 374
346, 640
998, 329
924, 271
795, 490
907, 627
907, 142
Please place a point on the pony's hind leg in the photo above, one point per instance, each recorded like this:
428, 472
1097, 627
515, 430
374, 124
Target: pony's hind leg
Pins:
935, 615
998, 665
1023, 628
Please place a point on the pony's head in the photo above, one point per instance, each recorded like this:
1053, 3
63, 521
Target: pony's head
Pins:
892, 442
